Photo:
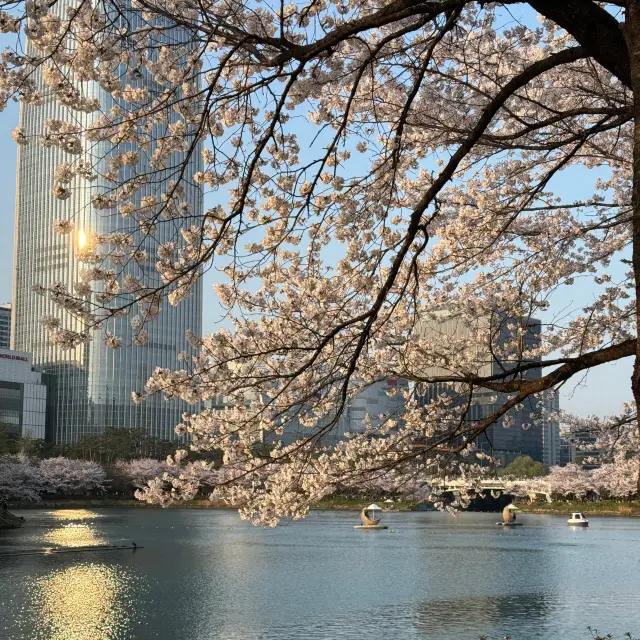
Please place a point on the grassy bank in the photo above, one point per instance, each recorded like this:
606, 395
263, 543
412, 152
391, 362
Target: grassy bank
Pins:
600, 508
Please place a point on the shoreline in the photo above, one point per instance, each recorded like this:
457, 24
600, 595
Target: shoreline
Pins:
602, 508
605, 508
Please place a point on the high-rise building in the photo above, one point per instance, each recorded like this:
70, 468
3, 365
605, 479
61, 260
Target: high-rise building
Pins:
584, 448
551, 429
567, 448
93, 382
523, 436
5, 326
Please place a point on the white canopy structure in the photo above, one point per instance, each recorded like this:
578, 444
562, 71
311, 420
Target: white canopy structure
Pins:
371, 515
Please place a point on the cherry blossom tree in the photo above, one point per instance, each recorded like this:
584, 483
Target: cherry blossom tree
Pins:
570, 481
19, 480
616, 479
138, 472
367, 167
64, 476
180, 481
613, 444
23, 479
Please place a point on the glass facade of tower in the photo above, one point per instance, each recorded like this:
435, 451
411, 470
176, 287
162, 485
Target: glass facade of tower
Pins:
93, 383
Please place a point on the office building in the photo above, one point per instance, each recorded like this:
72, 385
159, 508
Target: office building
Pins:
381, 401
521, 436
375, 406
583, 448
93, 382
23, 396
551, 429
567, 449
5, 326
219, 403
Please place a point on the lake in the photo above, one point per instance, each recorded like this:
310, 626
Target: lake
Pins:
205, 574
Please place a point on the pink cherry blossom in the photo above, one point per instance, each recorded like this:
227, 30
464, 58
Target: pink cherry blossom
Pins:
366, 170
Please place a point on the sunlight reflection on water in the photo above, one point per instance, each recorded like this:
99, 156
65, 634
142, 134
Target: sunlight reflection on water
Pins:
74, 535
74, 514
83, 602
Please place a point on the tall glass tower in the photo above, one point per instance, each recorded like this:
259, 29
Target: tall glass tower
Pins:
93, 383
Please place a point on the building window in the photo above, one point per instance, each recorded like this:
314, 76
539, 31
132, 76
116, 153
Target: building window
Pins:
9, 417
13, 394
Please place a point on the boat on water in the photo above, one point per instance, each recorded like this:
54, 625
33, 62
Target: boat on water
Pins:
578, 520
509, 518
371, 517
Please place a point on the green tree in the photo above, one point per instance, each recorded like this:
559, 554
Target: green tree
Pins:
33, 447
524, 467
118, 444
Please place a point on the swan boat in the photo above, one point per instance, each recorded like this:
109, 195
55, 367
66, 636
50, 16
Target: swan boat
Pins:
371, 517
509, 517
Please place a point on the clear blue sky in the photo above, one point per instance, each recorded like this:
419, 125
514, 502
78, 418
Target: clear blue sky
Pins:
600, 391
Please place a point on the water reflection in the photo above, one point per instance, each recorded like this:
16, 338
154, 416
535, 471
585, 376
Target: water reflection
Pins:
75, 514
466, 618
485, 612
74, 535
84, 602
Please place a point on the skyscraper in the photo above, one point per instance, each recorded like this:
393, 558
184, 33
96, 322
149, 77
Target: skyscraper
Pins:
93, 382
551, 429
567, 448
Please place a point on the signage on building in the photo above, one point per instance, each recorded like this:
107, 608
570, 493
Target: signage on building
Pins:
10, 356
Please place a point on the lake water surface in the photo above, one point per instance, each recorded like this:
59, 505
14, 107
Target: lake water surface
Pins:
205, 574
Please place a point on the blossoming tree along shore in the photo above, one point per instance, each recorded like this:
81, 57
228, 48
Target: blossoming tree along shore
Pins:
367, 164
25, 480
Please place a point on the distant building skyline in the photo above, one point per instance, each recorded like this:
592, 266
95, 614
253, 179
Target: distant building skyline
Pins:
93, 382
383, 398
